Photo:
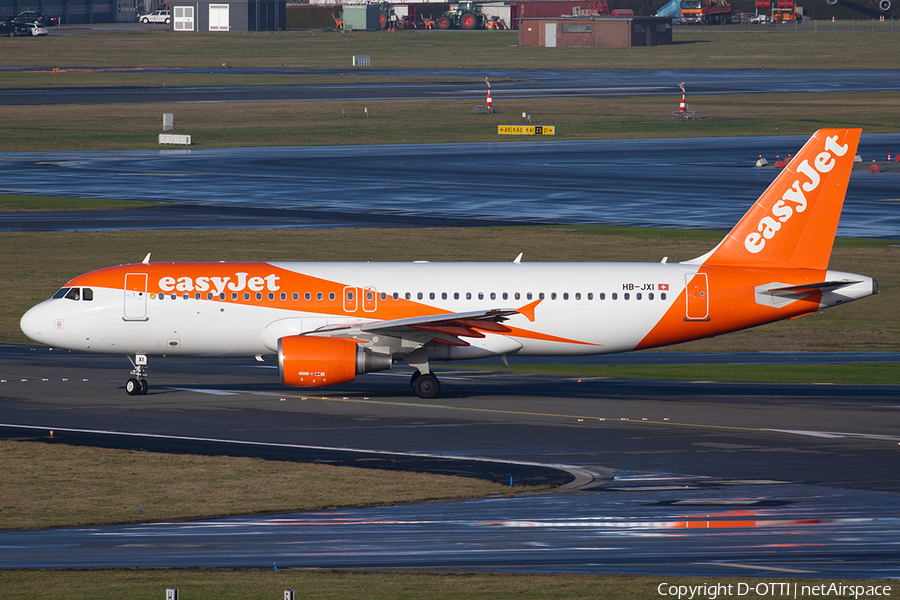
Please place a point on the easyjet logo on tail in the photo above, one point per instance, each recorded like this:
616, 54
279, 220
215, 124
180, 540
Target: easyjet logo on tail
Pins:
794, 199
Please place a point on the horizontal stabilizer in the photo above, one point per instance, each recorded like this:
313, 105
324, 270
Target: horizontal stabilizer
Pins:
809, 288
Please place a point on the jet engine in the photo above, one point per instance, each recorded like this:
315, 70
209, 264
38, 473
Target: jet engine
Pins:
306, 361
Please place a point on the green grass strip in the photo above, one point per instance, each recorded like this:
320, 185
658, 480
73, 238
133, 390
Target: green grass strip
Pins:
17, 204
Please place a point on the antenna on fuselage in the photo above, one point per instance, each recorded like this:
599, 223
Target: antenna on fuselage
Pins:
146, 260
519, 258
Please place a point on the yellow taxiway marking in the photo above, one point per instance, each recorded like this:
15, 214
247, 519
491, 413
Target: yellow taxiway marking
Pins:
558, 416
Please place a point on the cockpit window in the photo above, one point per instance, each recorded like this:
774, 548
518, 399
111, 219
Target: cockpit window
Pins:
61, 293
74, 294
87, 294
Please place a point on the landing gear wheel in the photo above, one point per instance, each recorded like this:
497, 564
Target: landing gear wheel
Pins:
133, 387
144, 387
427, 386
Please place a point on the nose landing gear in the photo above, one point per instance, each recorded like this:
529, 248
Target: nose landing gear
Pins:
137, 385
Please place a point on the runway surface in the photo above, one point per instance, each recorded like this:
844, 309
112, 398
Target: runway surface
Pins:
421, 85
708, 478
685, 183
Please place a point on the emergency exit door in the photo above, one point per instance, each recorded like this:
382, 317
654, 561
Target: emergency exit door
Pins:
136, 297
697, 297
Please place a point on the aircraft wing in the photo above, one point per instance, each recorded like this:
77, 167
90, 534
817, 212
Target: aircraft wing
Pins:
447, 328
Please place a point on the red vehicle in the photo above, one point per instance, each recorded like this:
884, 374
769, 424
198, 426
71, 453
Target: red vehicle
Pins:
708, 12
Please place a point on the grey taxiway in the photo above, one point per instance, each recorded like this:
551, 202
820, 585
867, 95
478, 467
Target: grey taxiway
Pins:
691, 478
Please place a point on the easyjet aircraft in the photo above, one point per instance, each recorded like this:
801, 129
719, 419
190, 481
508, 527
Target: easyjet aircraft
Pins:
328, 322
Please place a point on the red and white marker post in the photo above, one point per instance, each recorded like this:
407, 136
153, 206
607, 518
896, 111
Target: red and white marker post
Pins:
683, 105
489, 99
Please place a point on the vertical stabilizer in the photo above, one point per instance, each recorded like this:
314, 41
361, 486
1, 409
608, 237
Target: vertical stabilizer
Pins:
794, 222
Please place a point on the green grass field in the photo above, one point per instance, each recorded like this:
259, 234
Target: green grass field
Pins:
125, 486
136, 126
212, 584
691, 49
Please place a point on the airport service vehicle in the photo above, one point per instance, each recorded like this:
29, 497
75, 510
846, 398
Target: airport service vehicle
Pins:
34, 16
328, 322
708, 12
157, 16
462, 15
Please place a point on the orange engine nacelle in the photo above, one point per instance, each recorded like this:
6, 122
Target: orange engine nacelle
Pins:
305, 361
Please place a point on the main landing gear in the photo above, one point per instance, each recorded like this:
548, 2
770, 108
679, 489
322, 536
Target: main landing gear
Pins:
137, 385
423, 381
425, 385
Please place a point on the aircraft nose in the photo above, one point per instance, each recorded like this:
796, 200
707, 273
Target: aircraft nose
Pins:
31, 324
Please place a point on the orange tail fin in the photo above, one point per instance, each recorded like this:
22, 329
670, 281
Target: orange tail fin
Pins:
794, 222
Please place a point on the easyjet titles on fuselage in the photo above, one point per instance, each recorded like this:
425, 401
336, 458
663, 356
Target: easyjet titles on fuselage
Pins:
220, 284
